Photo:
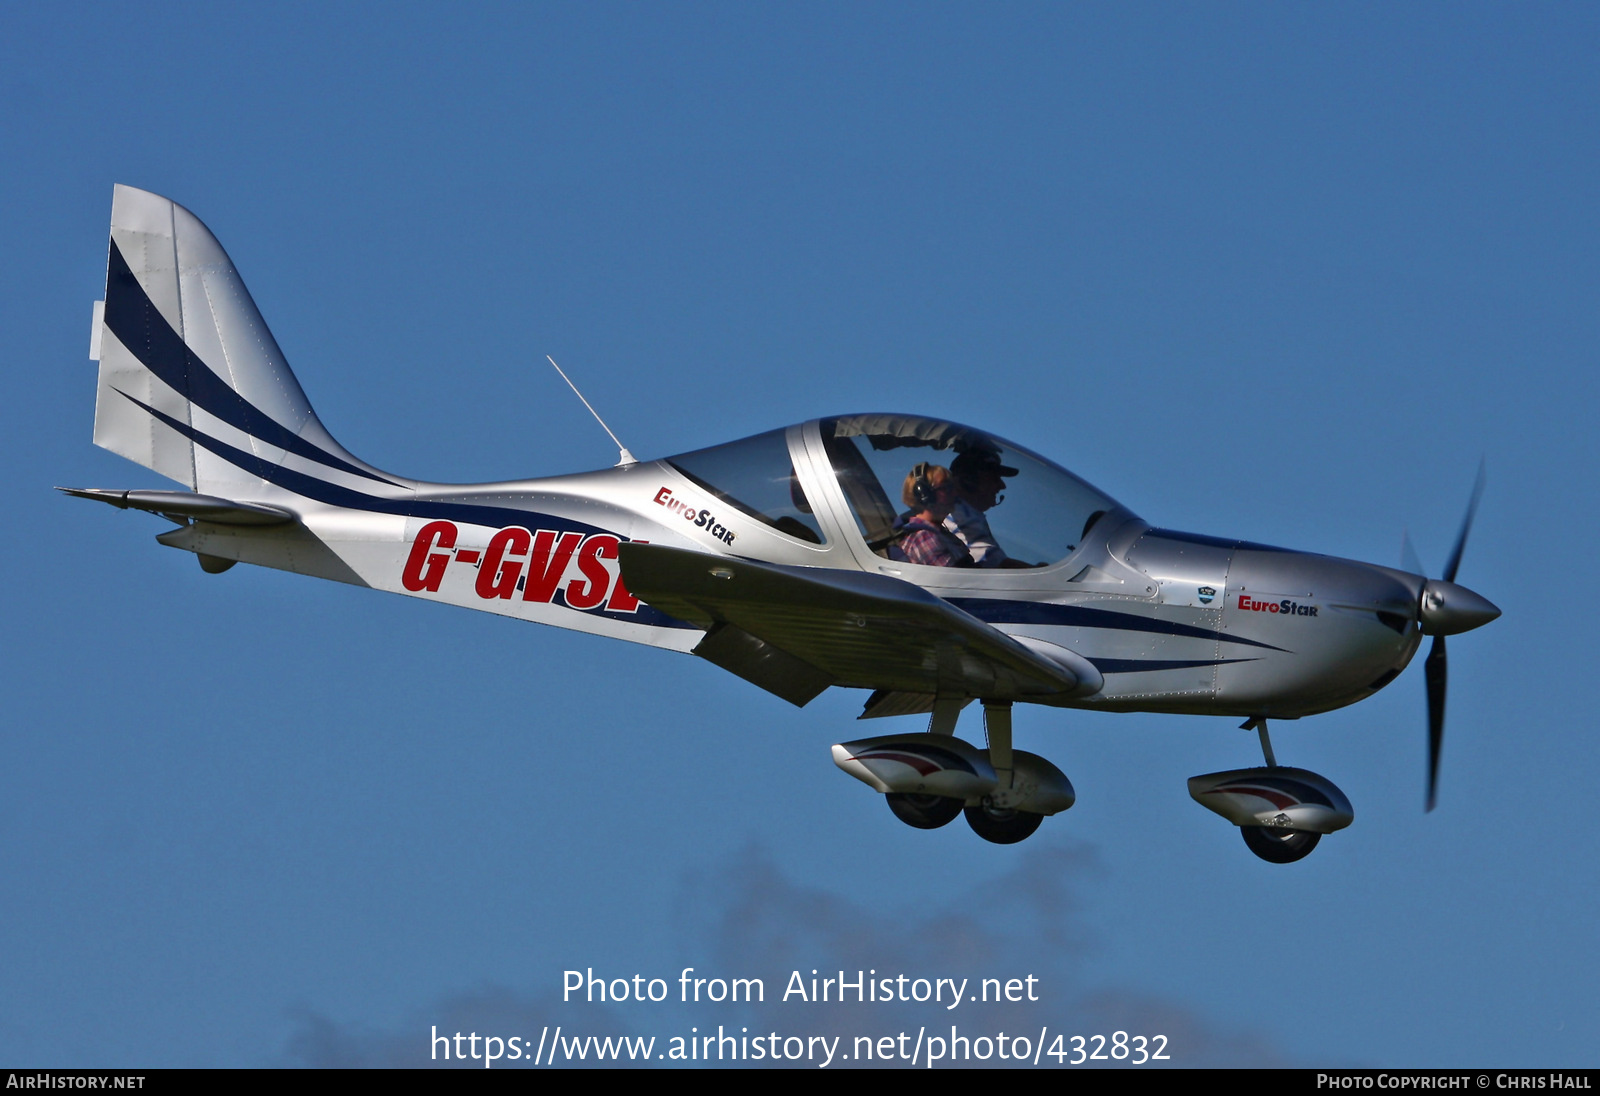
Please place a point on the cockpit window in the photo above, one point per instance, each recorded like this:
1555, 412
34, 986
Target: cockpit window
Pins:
756, 476
922, 489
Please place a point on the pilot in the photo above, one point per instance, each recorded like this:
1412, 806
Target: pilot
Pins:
979, 477
929, 491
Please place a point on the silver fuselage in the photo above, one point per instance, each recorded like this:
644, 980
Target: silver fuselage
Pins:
1175, 622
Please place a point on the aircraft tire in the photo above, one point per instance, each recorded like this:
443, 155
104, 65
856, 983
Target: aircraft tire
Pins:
1279, 846
925, 812
1003, 827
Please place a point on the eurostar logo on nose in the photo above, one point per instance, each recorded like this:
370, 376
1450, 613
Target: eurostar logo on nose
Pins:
1286, 607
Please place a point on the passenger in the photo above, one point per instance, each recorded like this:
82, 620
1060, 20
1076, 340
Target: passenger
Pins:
978, 477
930, 493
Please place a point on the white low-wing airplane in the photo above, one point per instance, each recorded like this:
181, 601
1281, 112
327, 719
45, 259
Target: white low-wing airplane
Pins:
862, 551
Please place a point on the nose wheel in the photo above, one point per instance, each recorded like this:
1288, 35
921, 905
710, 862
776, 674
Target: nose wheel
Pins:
1279, 846
1281, 811
1275, 846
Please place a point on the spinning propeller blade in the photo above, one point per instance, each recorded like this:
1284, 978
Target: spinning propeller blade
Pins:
1445, 609
1437, 670
1466, 527
1409, 560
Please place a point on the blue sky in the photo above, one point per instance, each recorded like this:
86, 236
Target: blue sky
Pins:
1277, 272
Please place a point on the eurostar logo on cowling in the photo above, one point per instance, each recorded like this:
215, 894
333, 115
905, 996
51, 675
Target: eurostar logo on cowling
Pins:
1286, 607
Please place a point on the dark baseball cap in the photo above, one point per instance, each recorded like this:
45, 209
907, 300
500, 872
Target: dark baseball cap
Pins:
974, 461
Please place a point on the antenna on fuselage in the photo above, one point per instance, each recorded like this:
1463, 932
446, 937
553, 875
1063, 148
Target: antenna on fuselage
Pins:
626, 457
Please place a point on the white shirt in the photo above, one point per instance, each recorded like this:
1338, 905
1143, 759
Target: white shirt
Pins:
969, 524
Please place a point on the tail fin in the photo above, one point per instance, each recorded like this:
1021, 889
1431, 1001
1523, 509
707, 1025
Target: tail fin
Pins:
192, 384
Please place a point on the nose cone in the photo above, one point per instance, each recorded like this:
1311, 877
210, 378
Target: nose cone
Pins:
1447, 609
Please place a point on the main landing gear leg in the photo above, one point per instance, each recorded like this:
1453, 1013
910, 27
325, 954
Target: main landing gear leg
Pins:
997, 731
946, 710
1259, 724
997, 819
1274, 846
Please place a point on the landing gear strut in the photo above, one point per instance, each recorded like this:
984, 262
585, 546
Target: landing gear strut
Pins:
997, 818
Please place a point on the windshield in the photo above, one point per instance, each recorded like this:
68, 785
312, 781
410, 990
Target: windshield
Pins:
927, 491
755, 475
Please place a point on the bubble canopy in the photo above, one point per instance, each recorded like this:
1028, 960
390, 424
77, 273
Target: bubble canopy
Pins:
1037, 512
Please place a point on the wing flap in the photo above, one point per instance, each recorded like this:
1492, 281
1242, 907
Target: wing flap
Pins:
763, 665
849, 628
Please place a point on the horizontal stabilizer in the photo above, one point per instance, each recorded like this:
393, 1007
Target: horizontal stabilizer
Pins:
859, 630
186, 504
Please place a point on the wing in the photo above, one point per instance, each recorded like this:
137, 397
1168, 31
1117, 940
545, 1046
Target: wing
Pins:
794, 631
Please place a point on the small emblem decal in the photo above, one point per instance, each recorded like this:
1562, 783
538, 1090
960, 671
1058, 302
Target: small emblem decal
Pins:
1206, 594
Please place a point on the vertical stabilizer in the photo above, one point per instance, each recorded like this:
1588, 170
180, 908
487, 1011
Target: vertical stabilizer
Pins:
192, 384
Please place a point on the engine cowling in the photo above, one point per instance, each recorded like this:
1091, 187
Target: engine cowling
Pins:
1280, 798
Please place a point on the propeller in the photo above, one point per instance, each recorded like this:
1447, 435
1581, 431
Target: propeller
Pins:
1445, 609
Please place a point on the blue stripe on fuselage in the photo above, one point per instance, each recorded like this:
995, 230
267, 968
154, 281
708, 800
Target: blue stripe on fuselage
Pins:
493, 517
1000, 611
1143, 665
